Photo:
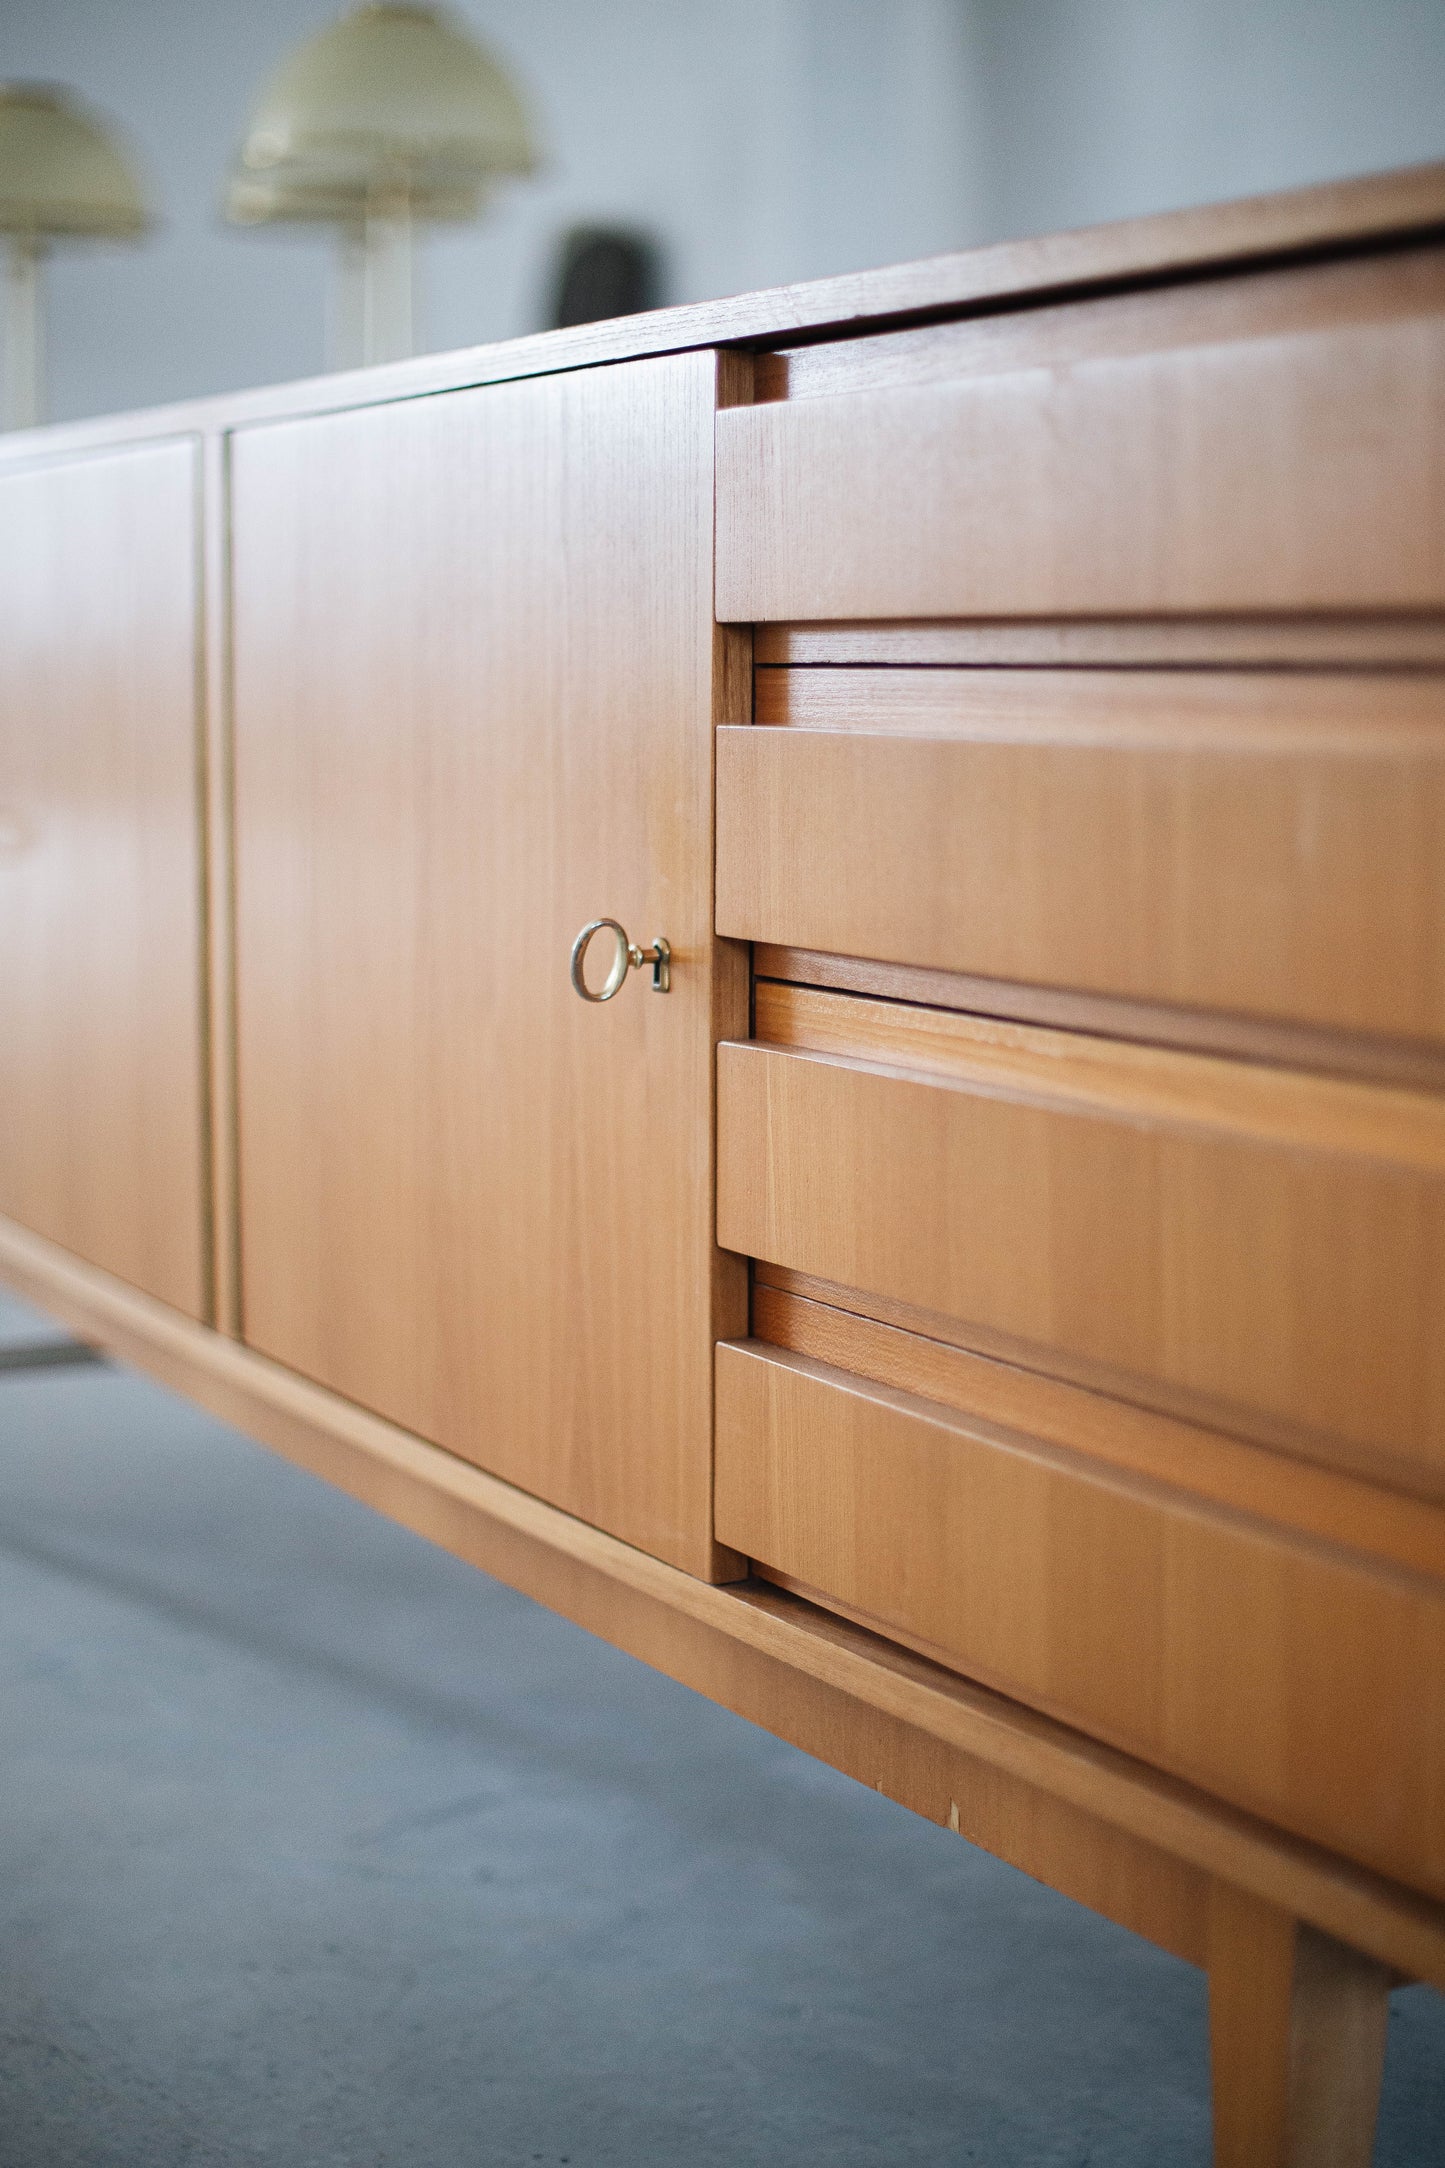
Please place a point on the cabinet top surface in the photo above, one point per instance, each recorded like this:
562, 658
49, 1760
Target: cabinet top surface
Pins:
1333, 216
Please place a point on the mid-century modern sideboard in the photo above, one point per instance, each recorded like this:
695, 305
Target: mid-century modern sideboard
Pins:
779, 969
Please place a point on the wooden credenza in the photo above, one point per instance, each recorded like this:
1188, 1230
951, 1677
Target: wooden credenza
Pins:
983, 1317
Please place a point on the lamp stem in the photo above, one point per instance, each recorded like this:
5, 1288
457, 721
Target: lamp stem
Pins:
24, 333
389, 282
346, 313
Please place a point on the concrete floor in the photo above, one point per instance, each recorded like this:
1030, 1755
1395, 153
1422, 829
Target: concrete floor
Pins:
318, 1848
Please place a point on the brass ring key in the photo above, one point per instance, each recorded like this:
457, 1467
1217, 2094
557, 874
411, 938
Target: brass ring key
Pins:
629, 957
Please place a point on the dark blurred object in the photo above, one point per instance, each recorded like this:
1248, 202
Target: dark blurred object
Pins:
604, 271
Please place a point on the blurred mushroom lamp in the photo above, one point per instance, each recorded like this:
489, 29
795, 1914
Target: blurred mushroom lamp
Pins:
62, 177
393, 116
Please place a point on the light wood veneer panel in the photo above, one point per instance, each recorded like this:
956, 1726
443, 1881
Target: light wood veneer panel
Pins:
101, 1081
1293, 1677
1273, 845
1261, 1250
1285, 458
476, 683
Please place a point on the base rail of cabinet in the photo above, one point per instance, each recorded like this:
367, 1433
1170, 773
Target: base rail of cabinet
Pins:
1301, 1947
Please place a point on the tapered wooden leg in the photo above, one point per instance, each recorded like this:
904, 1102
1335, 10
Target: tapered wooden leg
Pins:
1297, 2040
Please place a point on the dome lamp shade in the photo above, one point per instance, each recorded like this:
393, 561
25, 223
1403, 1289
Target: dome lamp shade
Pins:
61, 171
63, 176
393, 96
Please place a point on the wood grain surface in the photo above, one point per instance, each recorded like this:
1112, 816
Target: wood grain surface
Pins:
1416, 1063
1260, 1250
476, 683
1271, 843
101, 945
1240, 470
1315, 1695
1383, 640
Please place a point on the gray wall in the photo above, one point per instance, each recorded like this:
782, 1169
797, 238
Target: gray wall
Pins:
1098, 109
761, 140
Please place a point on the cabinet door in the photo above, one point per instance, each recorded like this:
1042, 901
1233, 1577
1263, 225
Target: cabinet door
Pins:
100, 881
476, 673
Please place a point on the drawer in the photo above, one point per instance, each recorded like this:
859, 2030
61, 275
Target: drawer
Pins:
1256, 1249
1293, 1677
1267, 844
1270, 443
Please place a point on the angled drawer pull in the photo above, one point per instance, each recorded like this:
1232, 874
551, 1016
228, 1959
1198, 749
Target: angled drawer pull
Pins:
629, 957
1260, 1250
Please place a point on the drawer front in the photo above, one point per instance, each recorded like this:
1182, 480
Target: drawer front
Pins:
1267, 845
1315, 1695
1245, 469
1260, 1250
